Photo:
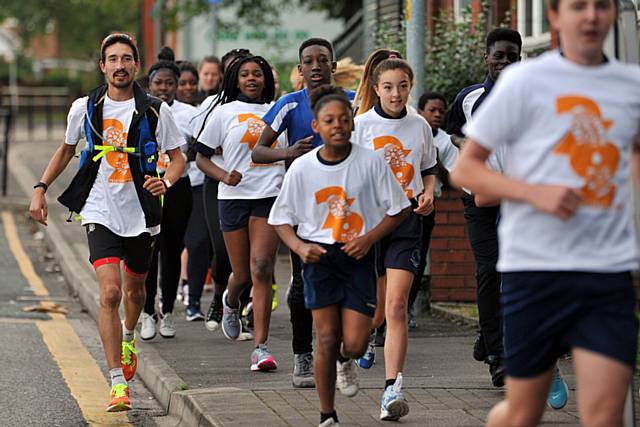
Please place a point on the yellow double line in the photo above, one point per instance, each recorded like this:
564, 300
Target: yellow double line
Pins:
78, 368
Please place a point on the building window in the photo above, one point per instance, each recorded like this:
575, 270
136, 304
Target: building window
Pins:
533, 25
459, 6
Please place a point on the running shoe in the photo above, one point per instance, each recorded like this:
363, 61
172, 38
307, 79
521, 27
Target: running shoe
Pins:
479, 352
369, 357
167, 326
380, 335
262, 360
231, 326
119, 399
148, 328
129, 359
247, 317
214, 316
329, 422
393, 404
559, 392
347, 378
274, 297
412, 323
194, 314
496, 369
303, 371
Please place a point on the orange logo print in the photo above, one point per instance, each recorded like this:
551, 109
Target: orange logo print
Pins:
254, 129
591, 155
115, 135
345, 224
395, 155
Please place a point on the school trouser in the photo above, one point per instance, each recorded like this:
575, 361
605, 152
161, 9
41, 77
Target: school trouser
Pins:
220, 265
198, 246
483, 237
428, 222
169, 245
300, 316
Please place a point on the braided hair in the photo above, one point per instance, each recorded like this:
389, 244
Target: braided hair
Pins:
166, 61
230, 91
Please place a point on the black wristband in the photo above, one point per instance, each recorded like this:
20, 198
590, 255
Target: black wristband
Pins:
41, 184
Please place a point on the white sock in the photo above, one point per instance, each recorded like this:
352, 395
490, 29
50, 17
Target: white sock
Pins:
127, 335
117, 377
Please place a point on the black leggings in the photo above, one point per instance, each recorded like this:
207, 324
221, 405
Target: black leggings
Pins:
169, 244
301, 318
428, 222
220, 265
197, 241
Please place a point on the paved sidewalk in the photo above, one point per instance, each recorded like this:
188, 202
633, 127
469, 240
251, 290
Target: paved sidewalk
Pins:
204, 379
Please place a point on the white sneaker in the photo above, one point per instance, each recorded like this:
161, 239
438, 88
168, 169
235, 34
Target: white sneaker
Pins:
347, 378
329, 422
148, 328
167, 326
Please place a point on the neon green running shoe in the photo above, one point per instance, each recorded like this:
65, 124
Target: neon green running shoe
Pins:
119, 399
129, 359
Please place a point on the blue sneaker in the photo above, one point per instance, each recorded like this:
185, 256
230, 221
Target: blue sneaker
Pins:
393, 405
194, 314
369, 357
559, 392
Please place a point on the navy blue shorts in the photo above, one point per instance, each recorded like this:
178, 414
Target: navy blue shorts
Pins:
234, 214
340, 279
546, 314
401, 248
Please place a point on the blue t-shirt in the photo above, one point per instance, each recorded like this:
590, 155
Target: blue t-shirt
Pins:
293, 113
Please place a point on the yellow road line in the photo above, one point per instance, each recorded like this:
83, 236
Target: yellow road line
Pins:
24, 263
78, 368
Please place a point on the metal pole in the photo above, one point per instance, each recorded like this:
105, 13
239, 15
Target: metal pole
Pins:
214, 28
370, 25
415, 46
5, 158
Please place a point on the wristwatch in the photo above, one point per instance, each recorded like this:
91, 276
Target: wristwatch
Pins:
166, 183
41, 184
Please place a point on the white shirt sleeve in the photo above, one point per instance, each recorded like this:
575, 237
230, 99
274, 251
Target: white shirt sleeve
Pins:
448, 153
284, 209
167, 133
75, 121
499, 120
214, 132
429, 153
390, 195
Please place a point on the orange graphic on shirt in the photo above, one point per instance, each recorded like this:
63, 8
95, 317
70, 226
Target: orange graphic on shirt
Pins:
254, 129
395, 155
592, 155
114, 134
345, 224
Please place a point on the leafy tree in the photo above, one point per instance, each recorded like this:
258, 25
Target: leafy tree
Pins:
455, 52
79, 24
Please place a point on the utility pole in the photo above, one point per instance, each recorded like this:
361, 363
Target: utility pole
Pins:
370, 26
415, 45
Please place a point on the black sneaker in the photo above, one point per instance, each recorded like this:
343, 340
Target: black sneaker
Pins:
380, 335
496, 369
479, 352
214, 316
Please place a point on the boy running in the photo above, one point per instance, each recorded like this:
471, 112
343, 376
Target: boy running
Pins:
568, 122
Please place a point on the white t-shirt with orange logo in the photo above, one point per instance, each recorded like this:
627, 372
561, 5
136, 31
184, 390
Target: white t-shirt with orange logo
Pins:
113, 201
182, 115
565, 124
337, 203
236, 127
406, 145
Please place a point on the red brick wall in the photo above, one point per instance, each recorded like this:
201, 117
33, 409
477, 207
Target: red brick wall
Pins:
452, 263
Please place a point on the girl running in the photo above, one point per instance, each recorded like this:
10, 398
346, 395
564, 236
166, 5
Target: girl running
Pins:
343, 199
187, 91
246, 193
365, 98
404, 141
163, 81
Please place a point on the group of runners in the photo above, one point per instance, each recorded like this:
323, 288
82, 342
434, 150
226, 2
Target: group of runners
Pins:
348, 182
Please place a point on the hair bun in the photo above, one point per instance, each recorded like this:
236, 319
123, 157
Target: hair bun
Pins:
166, 54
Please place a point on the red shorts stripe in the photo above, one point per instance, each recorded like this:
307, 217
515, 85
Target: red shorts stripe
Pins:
133, 273
103, 261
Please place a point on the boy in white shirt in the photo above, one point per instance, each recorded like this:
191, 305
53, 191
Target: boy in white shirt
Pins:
343, 198
569, 123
